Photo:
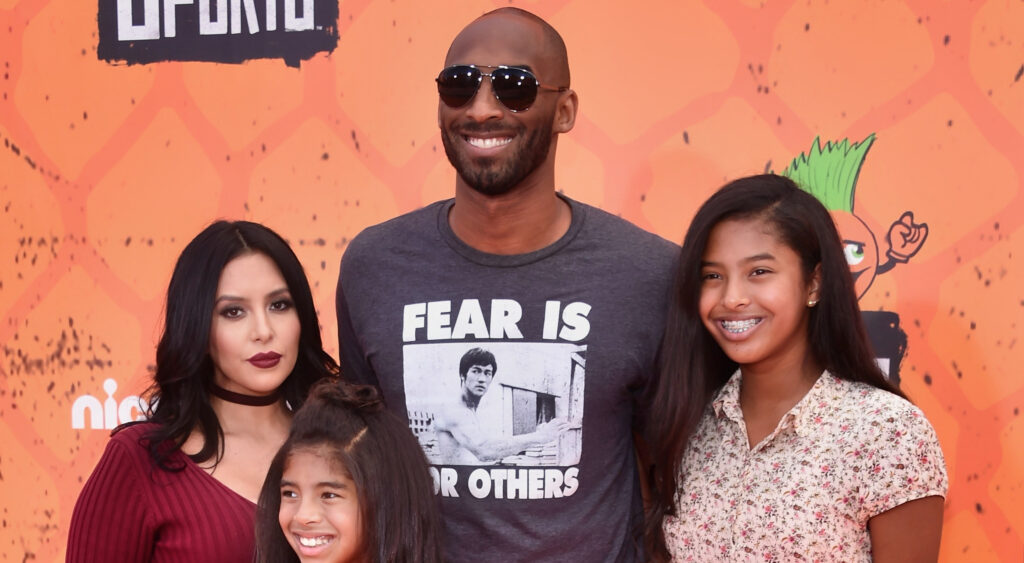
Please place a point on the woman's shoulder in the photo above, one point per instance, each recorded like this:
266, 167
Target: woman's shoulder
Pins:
132, 439
132, 432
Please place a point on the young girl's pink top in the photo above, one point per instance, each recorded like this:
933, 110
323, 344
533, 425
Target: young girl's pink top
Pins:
845, 453
130, 510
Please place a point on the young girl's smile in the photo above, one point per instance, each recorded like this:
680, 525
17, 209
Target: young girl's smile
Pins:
754, 299
319, 512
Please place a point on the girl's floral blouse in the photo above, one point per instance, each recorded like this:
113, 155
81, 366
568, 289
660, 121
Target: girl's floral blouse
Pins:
845, 453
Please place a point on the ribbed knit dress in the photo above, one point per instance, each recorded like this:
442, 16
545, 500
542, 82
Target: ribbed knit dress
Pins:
131, 510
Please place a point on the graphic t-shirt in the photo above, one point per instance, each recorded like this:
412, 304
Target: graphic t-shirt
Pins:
520, 375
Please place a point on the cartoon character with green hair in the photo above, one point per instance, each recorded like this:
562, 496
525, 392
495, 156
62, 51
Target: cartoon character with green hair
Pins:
830, 174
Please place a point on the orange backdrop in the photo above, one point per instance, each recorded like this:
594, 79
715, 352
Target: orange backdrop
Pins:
106, 171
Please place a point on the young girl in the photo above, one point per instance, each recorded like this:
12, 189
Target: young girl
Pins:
349, 484
779, 437
240, 349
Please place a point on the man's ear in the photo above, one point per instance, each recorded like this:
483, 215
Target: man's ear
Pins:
565, 112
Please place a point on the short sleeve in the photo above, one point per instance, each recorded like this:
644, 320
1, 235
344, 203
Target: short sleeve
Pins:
906, 461
109, 522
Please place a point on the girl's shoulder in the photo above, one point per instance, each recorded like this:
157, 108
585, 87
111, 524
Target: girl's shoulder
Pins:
892, 448
872, 409
843, 391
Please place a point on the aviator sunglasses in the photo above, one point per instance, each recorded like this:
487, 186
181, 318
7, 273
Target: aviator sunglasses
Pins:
516, 88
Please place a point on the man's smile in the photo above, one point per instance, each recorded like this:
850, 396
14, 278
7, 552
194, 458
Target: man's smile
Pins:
487, 142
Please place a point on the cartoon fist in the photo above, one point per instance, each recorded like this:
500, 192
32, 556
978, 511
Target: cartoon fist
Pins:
905, 237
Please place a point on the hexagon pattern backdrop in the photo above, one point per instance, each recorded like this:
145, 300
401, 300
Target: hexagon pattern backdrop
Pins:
107, 170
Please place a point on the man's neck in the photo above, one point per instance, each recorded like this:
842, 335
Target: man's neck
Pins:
526, 219
471, 401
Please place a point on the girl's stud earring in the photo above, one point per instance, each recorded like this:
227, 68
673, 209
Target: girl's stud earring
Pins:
812, 303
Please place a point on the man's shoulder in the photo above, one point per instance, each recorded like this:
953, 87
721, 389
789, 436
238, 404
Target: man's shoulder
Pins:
628, 243
451, 413
614, 226
414, 223
392, 242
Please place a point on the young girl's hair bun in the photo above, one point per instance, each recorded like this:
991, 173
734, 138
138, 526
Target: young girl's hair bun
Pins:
341, 394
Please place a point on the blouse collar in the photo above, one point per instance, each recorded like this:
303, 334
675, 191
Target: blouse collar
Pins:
804, 415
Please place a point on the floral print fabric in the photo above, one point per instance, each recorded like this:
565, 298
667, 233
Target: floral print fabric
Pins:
845, 453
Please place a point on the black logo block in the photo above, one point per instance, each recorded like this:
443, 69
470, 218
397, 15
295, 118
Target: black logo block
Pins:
222, 31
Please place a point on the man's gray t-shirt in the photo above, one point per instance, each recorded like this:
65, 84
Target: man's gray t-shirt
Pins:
574, 329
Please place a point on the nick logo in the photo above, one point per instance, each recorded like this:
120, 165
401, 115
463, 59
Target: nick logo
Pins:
106, 415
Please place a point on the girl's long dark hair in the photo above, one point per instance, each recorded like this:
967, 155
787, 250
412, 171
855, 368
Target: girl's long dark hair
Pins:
397, 508
179, 394
693, 366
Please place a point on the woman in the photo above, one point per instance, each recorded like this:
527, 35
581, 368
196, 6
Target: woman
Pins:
240, 350
778, 436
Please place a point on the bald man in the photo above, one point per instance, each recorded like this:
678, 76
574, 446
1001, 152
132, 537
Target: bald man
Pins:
572, 298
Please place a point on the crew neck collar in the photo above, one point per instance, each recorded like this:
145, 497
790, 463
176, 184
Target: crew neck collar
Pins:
509, 260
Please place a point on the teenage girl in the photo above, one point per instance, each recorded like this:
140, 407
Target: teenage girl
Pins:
780, 437
350, 484
240, 349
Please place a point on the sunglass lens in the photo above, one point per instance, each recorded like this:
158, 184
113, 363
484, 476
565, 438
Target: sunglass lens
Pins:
458, 84
516, 88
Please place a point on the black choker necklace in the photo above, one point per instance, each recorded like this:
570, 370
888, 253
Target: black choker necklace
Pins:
247, 400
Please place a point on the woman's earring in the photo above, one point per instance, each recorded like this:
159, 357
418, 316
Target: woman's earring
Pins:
811, 303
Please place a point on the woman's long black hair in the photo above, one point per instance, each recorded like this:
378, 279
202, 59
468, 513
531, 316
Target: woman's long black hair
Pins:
397, 507
179, 396
692, 365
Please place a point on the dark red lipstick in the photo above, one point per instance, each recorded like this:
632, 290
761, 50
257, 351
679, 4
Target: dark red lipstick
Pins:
265, 360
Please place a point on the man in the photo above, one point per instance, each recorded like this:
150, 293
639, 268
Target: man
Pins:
573, 298
461, 438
